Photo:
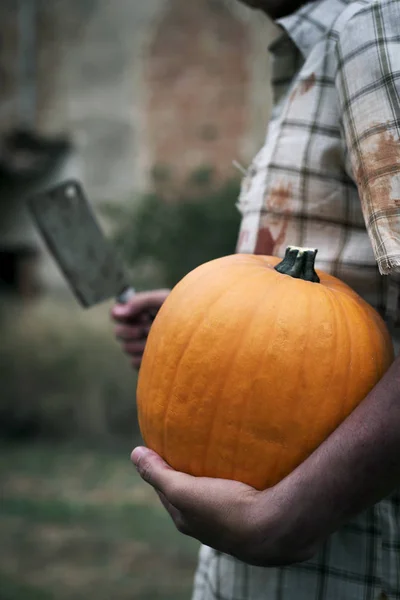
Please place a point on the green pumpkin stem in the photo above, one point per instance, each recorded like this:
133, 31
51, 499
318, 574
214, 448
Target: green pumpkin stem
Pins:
299, 263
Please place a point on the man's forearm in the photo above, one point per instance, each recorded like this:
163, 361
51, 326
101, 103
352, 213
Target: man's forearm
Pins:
358, 465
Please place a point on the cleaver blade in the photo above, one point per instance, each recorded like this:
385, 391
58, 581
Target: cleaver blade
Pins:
72, 234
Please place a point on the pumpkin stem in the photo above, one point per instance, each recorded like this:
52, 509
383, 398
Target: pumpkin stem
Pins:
299, 263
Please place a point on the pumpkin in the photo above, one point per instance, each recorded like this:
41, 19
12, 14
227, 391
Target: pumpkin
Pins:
252, 362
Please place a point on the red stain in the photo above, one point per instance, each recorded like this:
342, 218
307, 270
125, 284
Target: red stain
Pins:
379, 165
303, 87
265, 242
307, 84
276, 203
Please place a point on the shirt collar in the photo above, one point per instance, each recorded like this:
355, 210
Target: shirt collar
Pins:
309, 24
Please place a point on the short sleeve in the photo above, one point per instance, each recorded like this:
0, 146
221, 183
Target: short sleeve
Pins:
368, 85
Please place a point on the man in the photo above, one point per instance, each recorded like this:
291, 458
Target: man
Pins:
328, 176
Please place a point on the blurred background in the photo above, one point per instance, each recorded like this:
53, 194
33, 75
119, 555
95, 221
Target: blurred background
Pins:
147, 103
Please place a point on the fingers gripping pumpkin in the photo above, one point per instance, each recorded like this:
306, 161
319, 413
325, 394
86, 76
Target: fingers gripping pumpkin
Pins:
251, 363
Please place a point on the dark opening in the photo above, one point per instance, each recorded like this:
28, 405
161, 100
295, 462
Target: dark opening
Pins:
18, 270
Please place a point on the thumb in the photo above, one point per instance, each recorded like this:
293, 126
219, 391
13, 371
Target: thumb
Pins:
121, 311
155, 471
132, 308
152, 468
142, 301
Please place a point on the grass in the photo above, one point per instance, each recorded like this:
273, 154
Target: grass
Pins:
81, 524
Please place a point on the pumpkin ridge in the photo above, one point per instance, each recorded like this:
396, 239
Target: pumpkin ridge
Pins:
282, 447
245, 403
365, 310
334, 305
143, 414
185, 349
339, 287
173, 380
283, 283
349, 352
300, 366
202, 273
257, 275
373, 343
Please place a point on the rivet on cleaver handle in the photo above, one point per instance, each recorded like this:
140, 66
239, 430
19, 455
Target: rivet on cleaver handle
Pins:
73, 235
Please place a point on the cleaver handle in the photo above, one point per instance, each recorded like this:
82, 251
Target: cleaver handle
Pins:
128, 294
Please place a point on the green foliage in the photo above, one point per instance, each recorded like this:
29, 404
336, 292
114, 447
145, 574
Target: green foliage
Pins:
161, 173
202, 176
179, 236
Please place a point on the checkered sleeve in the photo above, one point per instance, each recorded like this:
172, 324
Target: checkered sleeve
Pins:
368, 84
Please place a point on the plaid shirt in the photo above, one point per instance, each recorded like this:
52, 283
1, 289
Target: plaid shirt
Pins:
328, 177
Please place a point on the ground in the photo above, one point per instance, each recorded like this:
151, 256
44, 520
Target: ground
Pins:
78, 524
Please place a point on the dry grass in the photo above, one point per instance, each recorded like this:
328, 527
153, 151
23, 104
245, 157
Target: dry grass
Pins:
81, 524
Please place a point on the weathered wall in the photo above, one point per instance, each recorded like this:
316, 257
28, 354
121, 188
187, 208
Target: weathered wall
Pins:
130, 79
198, 82
137, 85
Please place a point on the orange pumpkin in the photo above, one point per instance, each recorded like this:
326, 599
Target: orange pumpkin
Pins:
251, 364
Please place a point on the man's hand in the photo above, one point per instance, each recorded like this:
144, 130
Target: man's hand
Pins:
228, 516
134, 321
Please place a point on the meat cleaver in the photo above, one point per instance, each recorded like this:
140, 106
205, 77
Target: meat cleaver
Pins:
72, 234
